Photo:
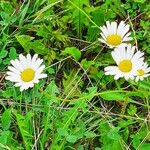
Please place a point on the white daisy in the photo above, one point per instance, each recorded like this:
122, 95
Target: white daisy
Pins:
26, 71
114, 35
127, 60
143, 72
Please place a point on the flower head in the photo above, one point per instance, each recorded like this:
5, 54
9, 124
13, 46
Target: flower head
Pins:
128, 61
142, 72
115, 35
26, 71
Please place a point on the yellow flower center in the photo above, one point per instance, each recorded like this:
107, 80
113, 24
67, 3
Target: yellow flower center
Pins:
125, 65
114, 39
28, 75
140, 72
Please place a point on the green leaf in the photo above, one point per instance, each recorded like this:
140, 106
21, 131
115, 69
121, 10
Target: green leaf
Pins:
89, 134
23, 13
6, 119
62, 132
52, 89
12, 53
7, 7
78, 18
144, 84
98, 16
113, 133
86, 63
71, 138
80, 147
39, 47
145, 146
3, 54
1, 61
73, 51
25, 41
140, 1
92, 90
8, 92
112, 95
4, 136
116, 145
132, 110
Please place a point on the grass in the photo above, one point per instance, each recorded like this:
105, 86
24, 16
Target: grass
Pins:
77, 107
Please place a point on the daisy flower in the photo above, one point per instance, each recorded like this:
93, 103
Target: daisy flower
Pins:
143, 72
26, 71
114, 35
128, 61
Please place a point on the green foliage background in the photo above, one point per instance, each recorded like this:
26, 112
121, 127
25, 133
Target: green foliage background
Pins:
77, 107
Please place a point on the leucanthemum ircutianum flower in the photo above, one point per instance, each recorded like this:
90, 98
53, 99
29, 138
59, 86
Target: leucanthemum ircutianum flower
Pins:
26, 71
128, 62
114, 35
143, 72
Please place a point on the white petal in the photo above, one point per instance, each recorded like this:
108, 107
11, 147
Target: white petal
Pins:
34, 58
126, 77
36, 81
18, 84
127, 38
41, 76
104, 30
9, 73
120, 27
38, 63
130, 51
28, 58
108, 26
125, 30
137, 79
147, 70
117, 76
21, 88
113, 28
23, 60
18, 65
137, 55
12, 79
116, 57
103, 36
40, 69
14, 70
101, 40
111, 70
120, 50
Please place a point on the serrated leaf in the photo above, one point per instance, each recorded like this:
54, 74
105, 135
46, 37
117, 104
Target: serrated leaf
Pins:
25, 41
39, 47
52, 89
78, 17
132, 110
98, 16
